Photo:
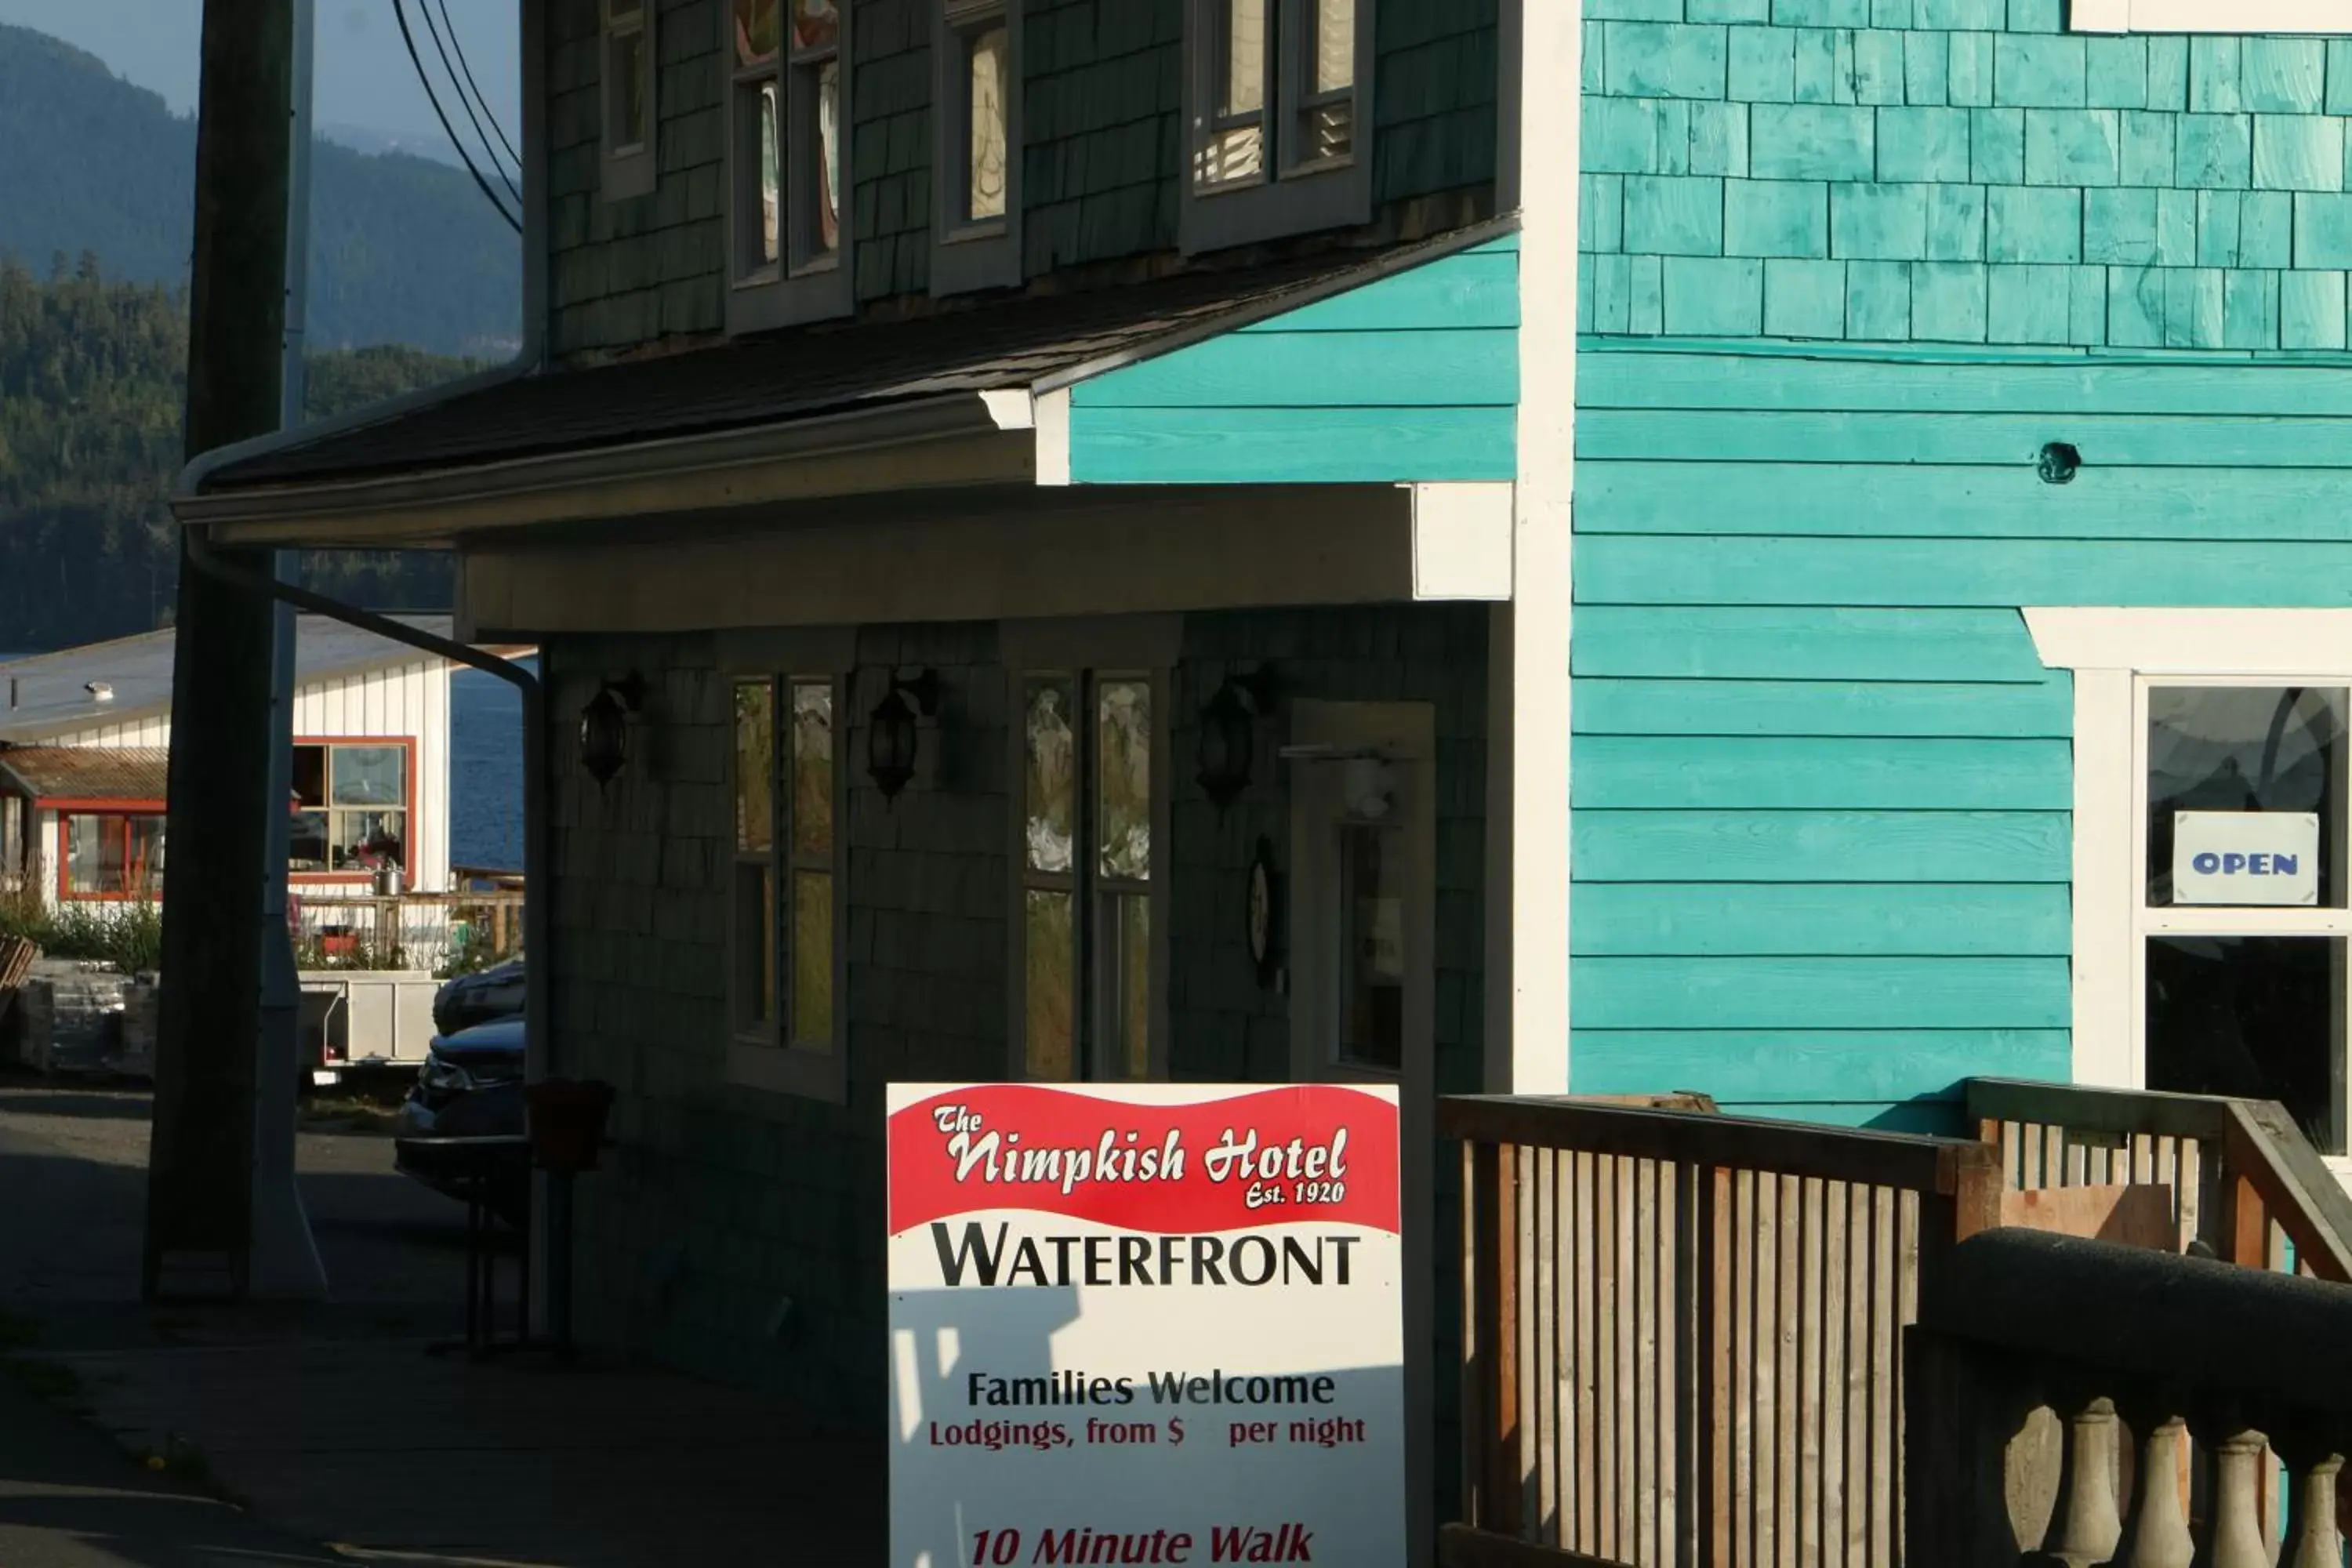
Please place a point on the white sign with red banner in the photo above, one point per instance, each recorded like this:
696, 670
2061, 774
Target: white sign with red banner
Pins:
1145, 1323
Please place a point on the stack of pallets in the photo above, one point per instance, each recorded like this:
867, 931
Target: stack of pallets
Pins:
16, 955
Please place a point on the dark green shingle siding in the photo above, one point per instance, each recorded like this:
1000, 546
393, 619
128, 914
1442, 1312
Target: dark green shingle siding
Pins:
1103, 94
890, 148
1102, 168
1434, 97
624, 273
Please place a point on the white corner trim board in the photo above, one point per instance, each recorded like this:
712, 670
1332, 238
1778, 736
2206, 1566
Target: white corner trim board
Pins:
1462, 541
2191, 641
1049, 416
2210, 16
1535, 1031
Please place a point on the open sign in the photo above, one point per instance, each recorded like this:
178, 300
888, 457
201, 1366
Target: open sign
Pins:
2269, 857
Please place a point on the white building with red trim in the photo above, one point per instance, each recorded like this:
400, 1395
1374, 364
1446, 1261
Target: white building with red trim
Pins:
85, 734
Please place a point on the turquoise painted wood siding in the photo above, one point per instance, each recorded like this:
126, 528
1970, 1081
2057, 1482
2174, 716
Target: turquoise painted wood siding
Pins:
1413, 377
1823, 784
1959, 171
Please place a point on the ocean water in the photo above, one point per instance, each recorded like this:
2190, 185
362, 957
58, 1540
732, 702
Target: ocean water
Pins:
485, 769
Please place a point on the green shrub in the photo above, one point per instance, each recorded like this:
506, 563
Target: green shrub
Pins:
128, 936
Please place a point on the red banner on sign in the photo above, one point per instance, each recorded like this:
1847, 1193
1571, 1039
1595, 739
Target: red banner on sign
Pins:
1306, 1154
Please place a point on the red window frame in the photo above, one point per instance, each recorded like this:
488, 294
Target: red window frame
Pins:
407, 745
123, 811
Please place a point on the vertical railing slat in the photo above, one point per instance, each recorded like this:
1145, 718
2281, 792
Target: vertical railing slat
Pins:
1587, 1342
1787, 1386
1744, 1393
1542, 1193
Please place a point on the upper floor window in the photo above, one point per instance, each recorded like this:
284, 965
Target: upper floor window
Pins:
789, 109
1275, 96
628, 76
977, 45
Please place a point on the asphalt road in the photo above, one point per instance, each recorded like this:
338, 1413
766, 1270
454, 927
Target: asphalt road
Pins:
73, 1173
70, 1499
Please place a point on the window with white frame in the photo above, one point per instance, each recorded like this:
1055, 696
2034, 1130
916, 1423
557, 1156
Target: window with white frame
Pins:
628, 98
789, 889
1090, 926
2240, 913
2211, 907
977, 159
1276, 96
2302, 16
788, 107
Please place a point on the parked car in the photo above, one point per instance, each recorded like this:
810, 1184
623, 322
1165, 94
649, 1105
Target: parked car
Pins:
479, 997
470, 1087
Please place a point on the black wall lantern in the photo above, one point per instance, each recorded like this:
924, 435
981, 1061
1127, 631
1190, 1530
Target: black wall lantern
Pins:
891, 735
1229, 735
604, 726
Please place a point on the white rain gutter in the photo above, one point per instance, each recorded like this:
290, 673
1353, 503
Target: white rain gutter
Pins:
951, 438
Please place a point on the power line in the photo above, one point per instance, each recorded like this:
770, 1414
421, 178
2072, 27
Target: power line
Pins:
488, 114
489, 153
400, 14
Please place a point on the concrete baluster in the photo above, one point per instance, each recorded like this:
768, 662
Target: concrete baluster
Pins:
2090, 1526
2159, 1535
2314, 1539
2238, 1461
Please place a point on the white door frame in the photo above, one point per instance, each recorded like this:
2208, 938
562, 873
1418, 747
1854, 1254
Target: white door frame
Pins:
1404, 735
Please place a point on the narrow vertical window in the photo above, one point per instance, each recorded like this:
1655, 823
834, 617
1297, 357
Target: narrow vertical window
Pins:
814, 142
981, 42
788, 161
788, 867
1089, 804
977, 150
755, 877
759, 113
1235, 145
1123, 753
812, 864
1326, 109
628, 98
1049, 881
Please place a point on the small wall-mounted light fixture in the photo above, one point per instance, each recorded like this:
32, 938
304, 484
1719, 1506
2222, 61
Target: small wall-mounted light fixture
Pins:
891, 735
604, 726
1228, 739
2057, 463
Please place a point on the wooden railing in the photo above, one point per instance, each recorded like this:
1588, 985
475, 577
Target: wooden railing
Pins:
1686, 1330
2235, 1178
2093, 1402
410, 931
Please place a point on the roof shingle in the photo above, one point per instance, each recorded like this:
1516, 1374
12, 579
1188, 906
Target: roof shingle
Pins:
86, 773
825, 368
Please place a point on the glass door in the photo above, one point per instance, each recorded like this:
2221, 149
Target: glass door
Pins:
2240, 914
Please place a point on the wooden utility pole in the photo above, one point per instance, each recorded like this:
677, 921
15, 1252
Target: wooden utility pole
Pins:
200, 1163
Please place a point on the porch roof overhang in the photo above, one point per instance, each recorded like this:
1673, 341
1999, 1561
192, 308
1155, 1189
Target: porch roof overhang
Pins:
85, 775
960, 401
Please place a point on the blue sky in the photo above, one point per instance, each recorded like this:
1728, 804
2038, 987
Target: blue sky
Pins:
364, 79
